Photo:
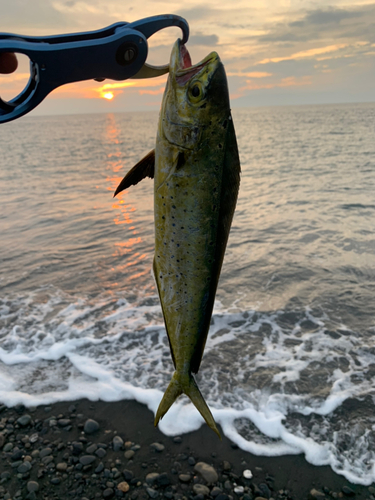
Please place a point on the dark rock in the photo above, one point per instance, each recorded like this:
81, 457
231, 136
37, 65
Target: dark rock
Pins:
100, 452
2, 440
191, 461
152, 493
108, 493
45, 452
99, 468
32, 486
266, 492
117, 443
348, 491
24, 467
198, 497
17, 454
128, 475
24, 420
91, 426
87, 459
226, 465
91, 449
47, 460
55, 480
228, 485
77, 447
177, 440
215, 491
129, 454
8, 447
223, 496
163, 479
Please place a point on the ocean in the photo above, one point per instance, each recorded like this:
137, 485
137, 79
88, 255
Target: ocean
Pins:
289, 365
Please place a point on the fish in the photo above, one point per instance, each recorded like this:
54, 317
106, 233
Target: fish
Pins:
196, 170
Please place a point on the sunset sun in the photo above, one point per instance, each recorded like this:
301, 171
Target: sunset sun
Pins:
108, 95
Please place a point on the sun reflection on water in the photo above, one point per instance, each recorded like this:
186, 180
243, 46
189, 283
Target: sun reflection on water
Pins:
123, 210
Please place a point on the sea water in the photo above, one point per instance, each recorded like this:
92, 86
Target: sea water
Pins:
289, 365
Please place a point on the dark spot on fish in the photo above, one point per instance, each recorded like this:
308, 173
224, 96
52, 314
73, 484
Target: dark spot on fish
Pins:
173, 223
214, 208
210, 122
180, 160
203, 105
178, 244
182, 227
173, 206
214, 190
161, 277
225, 123
220, 146
171, 197
162, 217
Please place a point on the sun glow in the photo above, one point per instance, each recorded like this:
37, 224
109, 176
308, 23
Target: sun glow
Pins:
108, 95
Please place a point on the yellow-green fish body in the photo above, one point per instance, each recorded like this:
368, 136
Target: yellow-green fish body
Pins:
196, 180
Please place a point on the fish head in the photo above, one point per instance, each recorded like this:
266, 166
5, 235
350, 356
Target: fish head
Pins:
194, 94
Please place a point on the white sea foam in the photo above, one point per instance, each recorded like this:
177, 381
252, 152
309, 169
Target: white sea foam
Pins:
54, 347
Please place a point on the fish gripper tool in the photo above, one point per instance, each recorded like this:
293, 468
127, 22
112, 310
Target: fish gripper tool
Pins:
117, 52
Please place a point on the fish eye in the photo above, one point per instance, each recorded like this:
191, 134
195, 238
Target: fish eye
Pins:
195, 92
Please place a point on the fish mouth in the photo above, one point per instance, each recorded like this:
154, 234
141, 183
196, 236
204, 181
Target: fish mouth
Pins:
182, 66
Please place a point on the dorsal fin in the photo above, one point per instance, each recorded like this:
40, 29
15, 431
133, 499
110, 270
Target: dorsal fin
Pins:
144, 168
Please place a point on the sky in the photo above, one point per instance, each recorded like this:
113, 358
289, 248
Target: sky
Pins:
275, 52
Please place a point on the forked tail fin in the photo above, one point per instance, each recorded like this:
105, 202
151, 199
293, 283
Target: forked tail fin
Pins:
185, 384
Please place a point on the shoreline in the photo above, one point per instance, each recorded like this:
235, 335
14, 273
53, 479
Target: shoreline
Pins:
47, 452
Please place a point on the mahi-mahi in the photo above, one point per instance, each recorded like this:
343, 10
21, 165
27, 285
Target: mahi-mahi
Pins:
196, 171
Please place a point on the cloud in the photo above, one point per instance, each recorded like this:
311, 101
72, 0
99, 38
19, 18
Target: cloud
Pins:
206, 40
329, 15
290, 81
249, 74
306, 53
336, 23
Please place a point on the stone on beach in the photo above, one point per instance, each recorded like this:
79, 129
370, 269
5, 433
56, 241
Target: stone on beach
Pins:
207, 472
91, 426
201, 489
117, 443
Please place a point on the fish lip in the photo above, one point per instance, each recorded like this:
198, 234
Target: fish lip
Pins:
193, 69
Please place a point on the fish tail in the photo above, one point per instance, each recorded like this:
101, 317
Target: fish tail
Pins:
185, 384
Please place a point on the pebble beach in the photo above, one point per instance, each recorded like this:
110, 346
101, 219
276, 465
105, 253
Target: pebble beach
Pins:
86, 450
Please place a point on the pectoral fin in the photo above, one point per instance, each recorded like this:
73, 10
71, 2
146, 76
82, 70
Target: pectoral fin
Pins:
144, 168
